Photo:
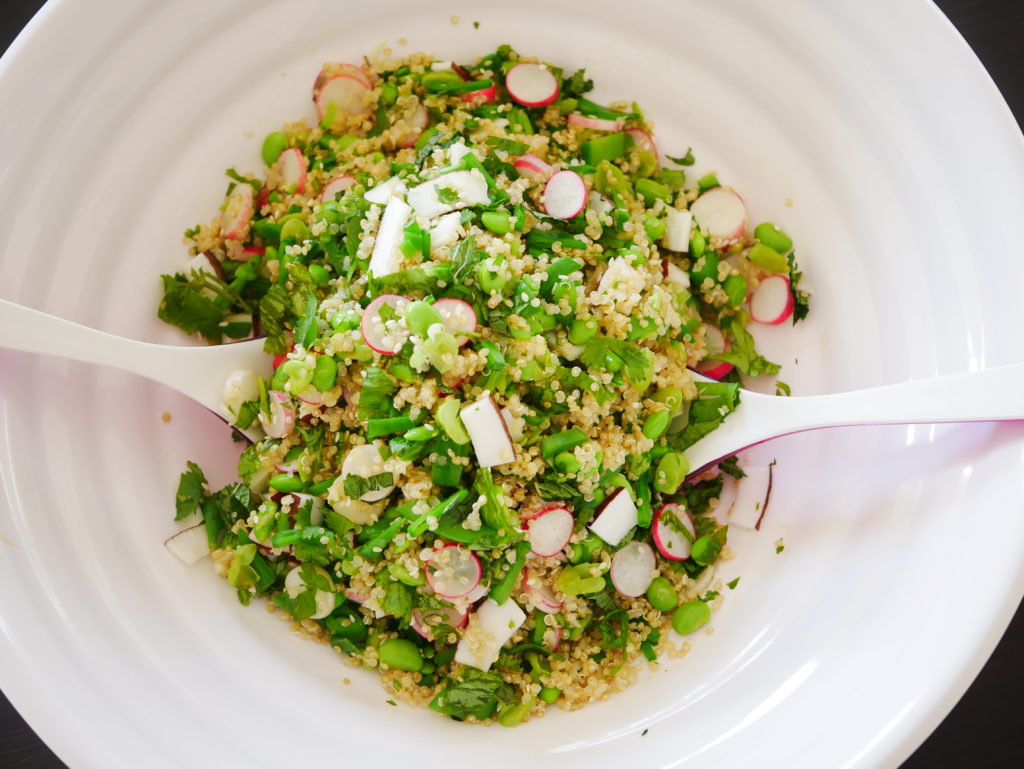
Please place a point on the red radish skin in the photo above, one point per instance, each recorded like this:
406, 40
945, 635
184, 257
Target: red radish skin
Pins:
532, 85
715, 343
722, 213
334, 69
234, 221
459, 318
549, 532
565, 195
279, 359
420, 622
670, 543
339, 185
350, 96
772, 301
553, 638
643, 141
377, 337
418, 122
453, 571
593, 123
292, 166
483, 96
540, 595
633, 568
532, 167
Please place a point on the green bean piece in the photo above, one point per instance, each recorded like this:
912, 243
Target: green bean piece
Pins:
273, 146
706, 182
401, 654
319, 275
421, 433
512, 715
549, 694
768, 258
661, 595
654, 227
506, 584
563, 441
691, 616
498, 222
294, 231
773, 237
379, 426
447, 415
672, 397
605, 148
671, 472
286, 482
325, 373
320, 488
566, 463
698, 243
420, 316
656, 424
422, 522
582, 331
651, 191
735, 288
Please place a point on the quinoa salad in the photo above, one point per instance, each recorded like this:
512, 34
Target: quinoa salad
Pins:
486, 297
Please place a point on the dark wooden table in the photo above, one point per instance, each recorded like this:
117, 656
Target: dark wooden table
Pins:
984, 731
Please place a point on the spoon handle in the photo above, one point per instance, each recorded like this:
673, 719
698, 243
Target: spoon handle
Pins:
198, 372
989, 395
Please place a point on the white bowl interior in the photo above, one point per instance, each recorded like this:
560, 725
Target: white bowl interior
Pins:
844, 650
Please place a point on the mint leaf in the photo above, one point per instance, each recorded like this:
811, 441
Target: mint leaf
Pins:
476, 694
185, 305
356, 485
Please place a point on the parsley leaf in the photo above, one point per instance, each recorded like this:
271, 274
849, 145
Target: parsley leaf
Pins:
731, 466
428, 279
715, 401
577, 85
357, 485
191, 490
247, 413
186, 306
801, 299
494, 512
397, 601
743, 355
699, 495
249, 463
685, 160
476, 694
463, 258
639, 361
447, 195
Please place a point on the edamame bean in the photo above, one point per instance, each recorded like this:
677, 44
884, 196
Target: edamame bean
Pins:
672, 397
273, 146
512, 715
325, 373
691, 616
671, 472
567, 463
297, 373
582, 331
654, 227
768, 258
294, 231
319, 275
661, 595
345, 320
735, 288
401, 654
388, 93
656, 424
488, 278
773, 237
498, 222
420, 316
549, 694
447, 416
697, 245
704, 267
286, 482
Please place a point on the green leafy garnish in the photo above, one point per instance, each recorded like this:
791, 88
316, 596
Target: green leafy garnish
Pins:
685, 160
356, 485
375, 395
477, 694
706, 549
801, 299
743, 355
191, 491
731, 466
447, 195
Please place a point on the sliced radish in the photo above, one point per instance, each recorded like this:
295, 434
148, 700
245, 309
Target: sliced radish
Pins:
459, 318
643, 141
752, 495
446, 230
384, 336
490, 627
311, 396
487, 430
191, 544
332, 69
532, 167
676, 276
615, 517
553, 638
325, 599
673, 544
281, 420
292, 466
532, 85
414, 127
424, 621
540, 595
772, 301
549, 531
240, 386
714, 343
234, 219
469, 187
722, 213
481, 96
292, 165
633, 569
453, 571
392, 187
593, 123
564, 195
387, 256
677, 230
365, 461
349, 95
339, 185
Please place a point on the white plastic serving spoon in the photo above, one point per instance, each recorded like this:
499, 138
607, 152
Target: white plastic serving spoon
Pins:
198, 372
990, 395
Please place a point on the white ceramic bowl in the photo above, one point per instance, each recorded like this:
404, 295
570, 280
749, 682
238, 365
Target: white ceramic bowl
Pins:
867, 130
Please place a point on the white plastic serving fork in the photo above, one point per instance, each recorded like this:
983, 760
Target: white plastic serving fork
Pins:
199, 372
